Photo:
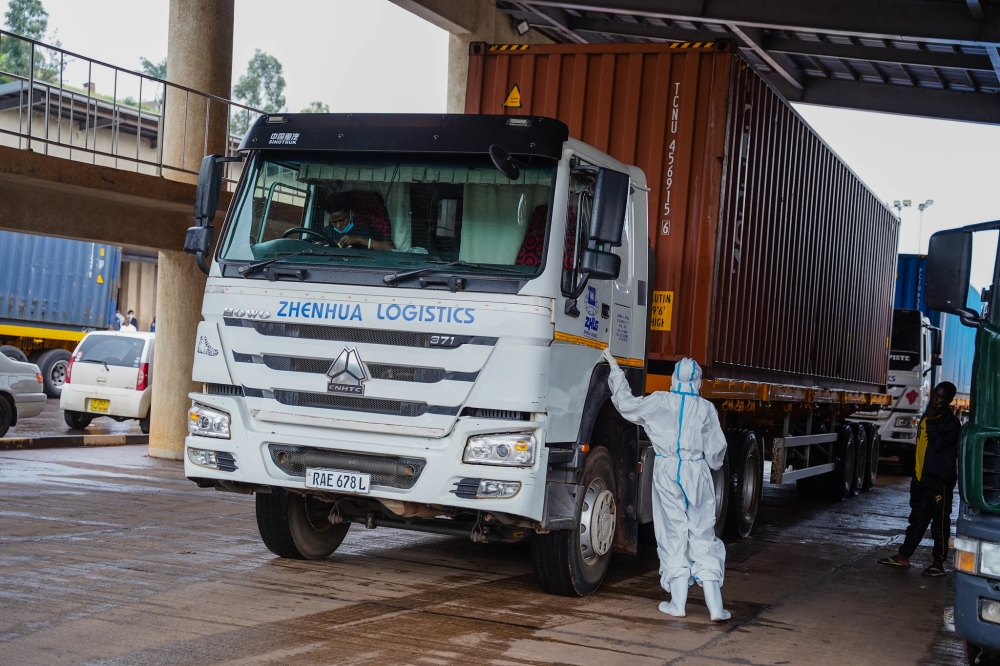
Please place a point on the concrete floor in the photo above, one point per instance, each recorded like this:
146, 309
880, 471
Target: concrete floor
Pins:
109, 557
51, 422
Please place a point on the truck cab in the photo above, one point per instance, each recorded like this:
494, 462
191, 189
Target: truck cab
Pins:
403, 325
914, 353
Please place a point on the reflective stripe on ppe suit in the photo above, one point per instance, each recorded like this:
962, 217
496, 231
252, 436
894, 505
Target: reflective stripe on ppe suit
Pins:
684, 430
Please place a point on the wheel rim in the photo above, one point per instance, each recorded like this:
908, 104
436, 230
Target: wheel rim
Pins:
597, 521
316, 515
57, 373
749, 485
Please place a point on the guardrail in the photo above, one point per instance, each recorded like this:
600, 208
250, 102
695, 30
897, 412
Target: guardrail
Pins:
127, 127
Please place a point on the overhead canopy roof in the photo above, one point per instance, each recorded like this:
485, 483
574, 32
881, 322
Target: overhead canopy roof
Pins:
934, 58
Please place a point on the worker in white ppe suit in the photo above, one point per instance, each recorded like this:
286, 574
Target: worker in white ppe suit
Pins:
684, 430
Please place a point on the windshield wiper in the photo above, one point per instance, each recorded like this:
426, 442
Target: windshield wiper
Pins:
251, 267
95, 360
393, 279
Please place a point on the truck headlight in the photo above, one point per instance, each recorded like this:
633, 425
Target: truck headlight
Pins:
907, 422
207, 422
510, 449
989, 559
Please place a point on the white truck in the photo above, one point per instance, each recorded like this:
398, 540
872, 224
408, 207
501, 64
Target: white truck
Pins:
403, 327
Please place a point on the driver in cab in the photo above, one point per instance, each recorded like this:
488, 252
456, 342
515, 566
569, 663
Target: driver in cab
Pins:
342, 229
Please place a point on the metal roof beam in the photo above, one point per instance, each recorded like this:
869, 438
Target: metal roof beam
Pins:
553, 19
930, 20
975, 9
947, 60
903, 100
623, 29
779, 62
991, 51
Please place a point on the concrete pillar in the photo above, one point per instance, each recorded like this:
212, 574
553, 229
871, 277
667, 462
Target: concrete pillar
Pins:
147, 295
199, 56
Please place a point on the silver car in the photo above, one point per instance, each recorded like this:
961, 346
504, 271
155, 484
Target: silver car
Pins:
21, 393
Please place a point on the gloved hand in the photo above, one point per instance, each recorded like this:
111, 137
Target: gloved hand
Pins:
609, 358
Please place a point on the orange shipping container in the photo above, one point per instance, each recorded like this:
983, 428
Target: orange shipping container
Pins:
776, 260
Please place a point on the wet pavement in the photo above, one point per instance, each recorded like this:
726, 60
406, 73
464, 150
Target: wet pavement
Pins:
113, 558
51, 422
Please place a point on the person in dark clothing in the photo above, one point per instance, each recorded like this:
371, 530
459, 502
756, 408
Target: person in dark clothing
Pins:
345, 232
933, 485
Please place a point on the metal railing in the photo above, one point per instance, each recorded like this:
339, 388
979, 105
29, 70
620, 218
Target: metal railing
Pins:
127, 127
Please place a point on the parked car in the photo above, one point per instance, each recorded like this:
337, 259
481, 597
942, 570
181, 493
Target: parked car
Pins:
110, 374
21, 393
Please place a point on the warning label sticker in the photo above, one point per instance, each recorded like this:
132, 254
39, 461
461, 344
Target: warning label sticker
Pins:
513, 100
662, 311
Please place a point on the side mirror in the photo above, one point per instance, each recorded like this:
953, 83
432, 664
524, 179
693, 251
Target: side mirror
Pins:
949, 266
198, 240
610, 204
504, 163
600, 265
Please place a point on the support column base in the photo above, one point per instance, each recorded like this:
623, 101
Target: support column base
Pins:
166, 454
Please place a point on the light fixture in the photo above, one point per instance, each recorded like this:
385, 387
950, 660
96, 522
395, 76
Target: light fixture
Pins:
522, 28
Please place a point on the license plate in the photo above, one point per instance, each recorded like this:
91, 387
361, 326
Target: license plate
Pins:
341, 482
100, 406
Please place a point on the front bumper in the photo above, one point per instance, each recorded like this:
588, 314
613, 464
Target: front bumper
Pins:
969, 625
444, 469
29, 404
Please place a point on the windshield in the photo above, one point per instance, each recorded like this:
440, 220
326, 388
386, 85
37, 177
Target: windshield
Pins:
906, 331
392, 213
111, 349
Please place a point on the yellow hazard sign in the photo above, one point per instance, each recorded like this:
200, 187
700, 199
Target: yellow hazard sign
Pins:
662, 311
102, 251
100, 280
513, 100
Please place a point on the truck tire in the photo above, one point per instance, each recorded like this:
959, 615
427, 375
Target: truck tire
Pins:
6, 415
746, 482
873, 453
53, 365
720, 478
840, 480
77, 420
292, 526
860, 457
572, 563
13, 352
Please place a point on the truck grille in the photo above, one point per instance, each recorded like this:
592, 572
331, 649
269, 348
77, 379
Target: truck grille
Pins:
398, 373
505, 414
227, 463
991, 471
356, 404
362, 335
385, 470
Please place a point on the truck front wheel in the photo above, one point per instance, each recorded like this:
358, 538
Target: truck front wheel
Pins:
573, 562
297, 527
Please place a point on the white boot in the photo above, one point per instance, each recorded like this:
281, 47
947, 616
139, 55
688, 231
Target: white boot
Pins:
713, 599
678, 598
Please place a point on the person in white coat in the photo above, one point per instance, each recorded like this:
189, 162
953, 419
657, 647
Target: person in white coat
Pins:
687, 438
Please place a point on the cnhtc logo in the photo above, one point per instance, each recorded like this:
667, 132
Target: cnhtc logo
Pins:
347, 374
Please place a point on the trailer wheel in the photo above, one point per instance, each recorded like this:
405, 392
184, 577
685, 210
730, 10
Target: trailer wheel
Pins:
746, 481
720, 479
840, 480
860, 457
53, 365
13, 352
297, 527
873, 453
572, 563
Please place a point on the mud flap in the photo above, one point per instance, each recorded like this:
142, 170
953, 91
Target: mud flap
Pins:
560, 505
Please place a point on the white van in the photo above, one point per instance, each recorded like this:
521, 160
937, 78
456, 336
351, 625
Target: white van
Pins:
110, 374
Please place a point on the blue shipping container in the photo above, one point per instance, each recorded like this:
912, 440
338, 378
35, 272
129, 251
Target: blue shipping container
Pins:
958, 348
57, 282
910, 270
